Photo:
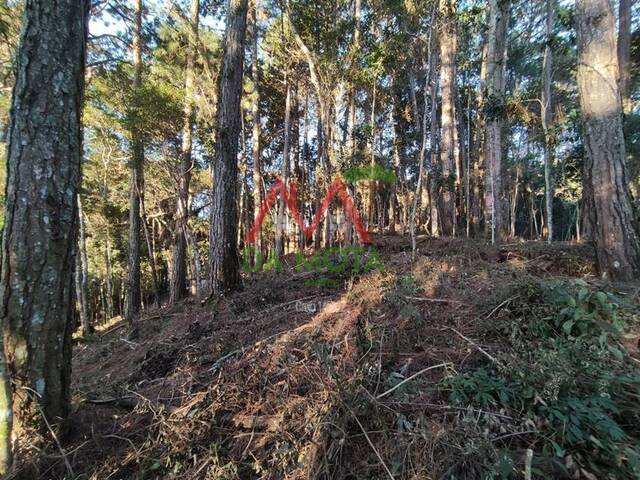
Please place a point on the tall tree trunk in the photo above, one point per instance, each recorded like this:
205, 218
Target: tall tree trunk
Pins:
479, 164
317, 238
547, 113
44, 152
224, 271
624, 63
605, 185
151, 254
430, 88
495, 115
179, 271
432, 186
82, 268
280, 226
448, 43
352, 114
109, 275
624, 53
136, 185
372, 160
281, 222
465, 148
397, 147
256, 154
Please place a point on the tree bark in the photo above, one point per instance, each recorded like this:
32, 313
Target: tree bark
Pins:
109, 274
605, 185
258, 194
224, 271
448, 44
280, 226
44, 153
372, 159
432, 185
151, 254
179, 271
82, 269
547, 113
495, 115
424, 171
624, 53
479, 164
624, 63
352, 113
136, 185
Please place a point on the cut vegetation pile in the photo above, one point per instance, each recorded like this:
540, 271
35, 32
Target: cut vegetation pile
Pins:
468, 363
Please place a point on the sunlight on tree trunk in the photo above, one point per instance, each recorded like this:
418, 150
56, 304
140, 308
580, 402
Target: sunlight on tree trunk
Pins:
605, 186
136, 186
224, 263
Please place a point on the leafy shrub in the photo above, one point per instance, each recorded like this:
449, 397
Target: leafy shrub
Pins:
568, 379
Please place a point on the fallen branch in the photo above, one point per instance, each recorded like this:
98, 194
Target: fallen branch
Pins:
216, 366
373, 447
395, 387
500, 306
435, 300
483, 351
128, 403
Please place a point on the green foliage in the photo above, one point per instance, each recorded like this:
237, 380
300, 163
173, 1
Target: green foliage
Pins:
568, 379
583, 311
376, 172
479, 387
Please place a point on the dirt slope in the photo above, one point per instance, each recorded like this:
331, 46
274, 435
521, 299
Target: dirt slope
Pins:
261, 386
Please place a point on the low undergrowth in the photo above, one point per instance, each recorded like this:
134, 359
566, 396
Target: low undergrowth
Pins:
562, 394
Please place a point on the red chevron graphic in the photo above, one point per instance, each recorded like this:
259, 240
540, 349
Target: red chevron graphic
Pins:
291, 200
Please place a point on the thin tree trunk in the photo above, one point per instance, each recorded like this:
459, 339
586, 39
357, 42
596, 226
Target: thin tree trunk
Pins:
109, 274
448, 44
479, 163
624, 64
224, 272
605, 185
151, 254
495, 114
432, 186
514, 203
280, 225
136, 185
351, 121
397, 166
44, 151
178, 273
624, 53
372, 162
467, 157
197, 264
429, 79
547, 112
317, 239
83, 270
256, 154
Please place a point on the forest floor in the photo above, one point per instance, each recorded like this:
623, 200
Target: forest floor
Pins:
468, 362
